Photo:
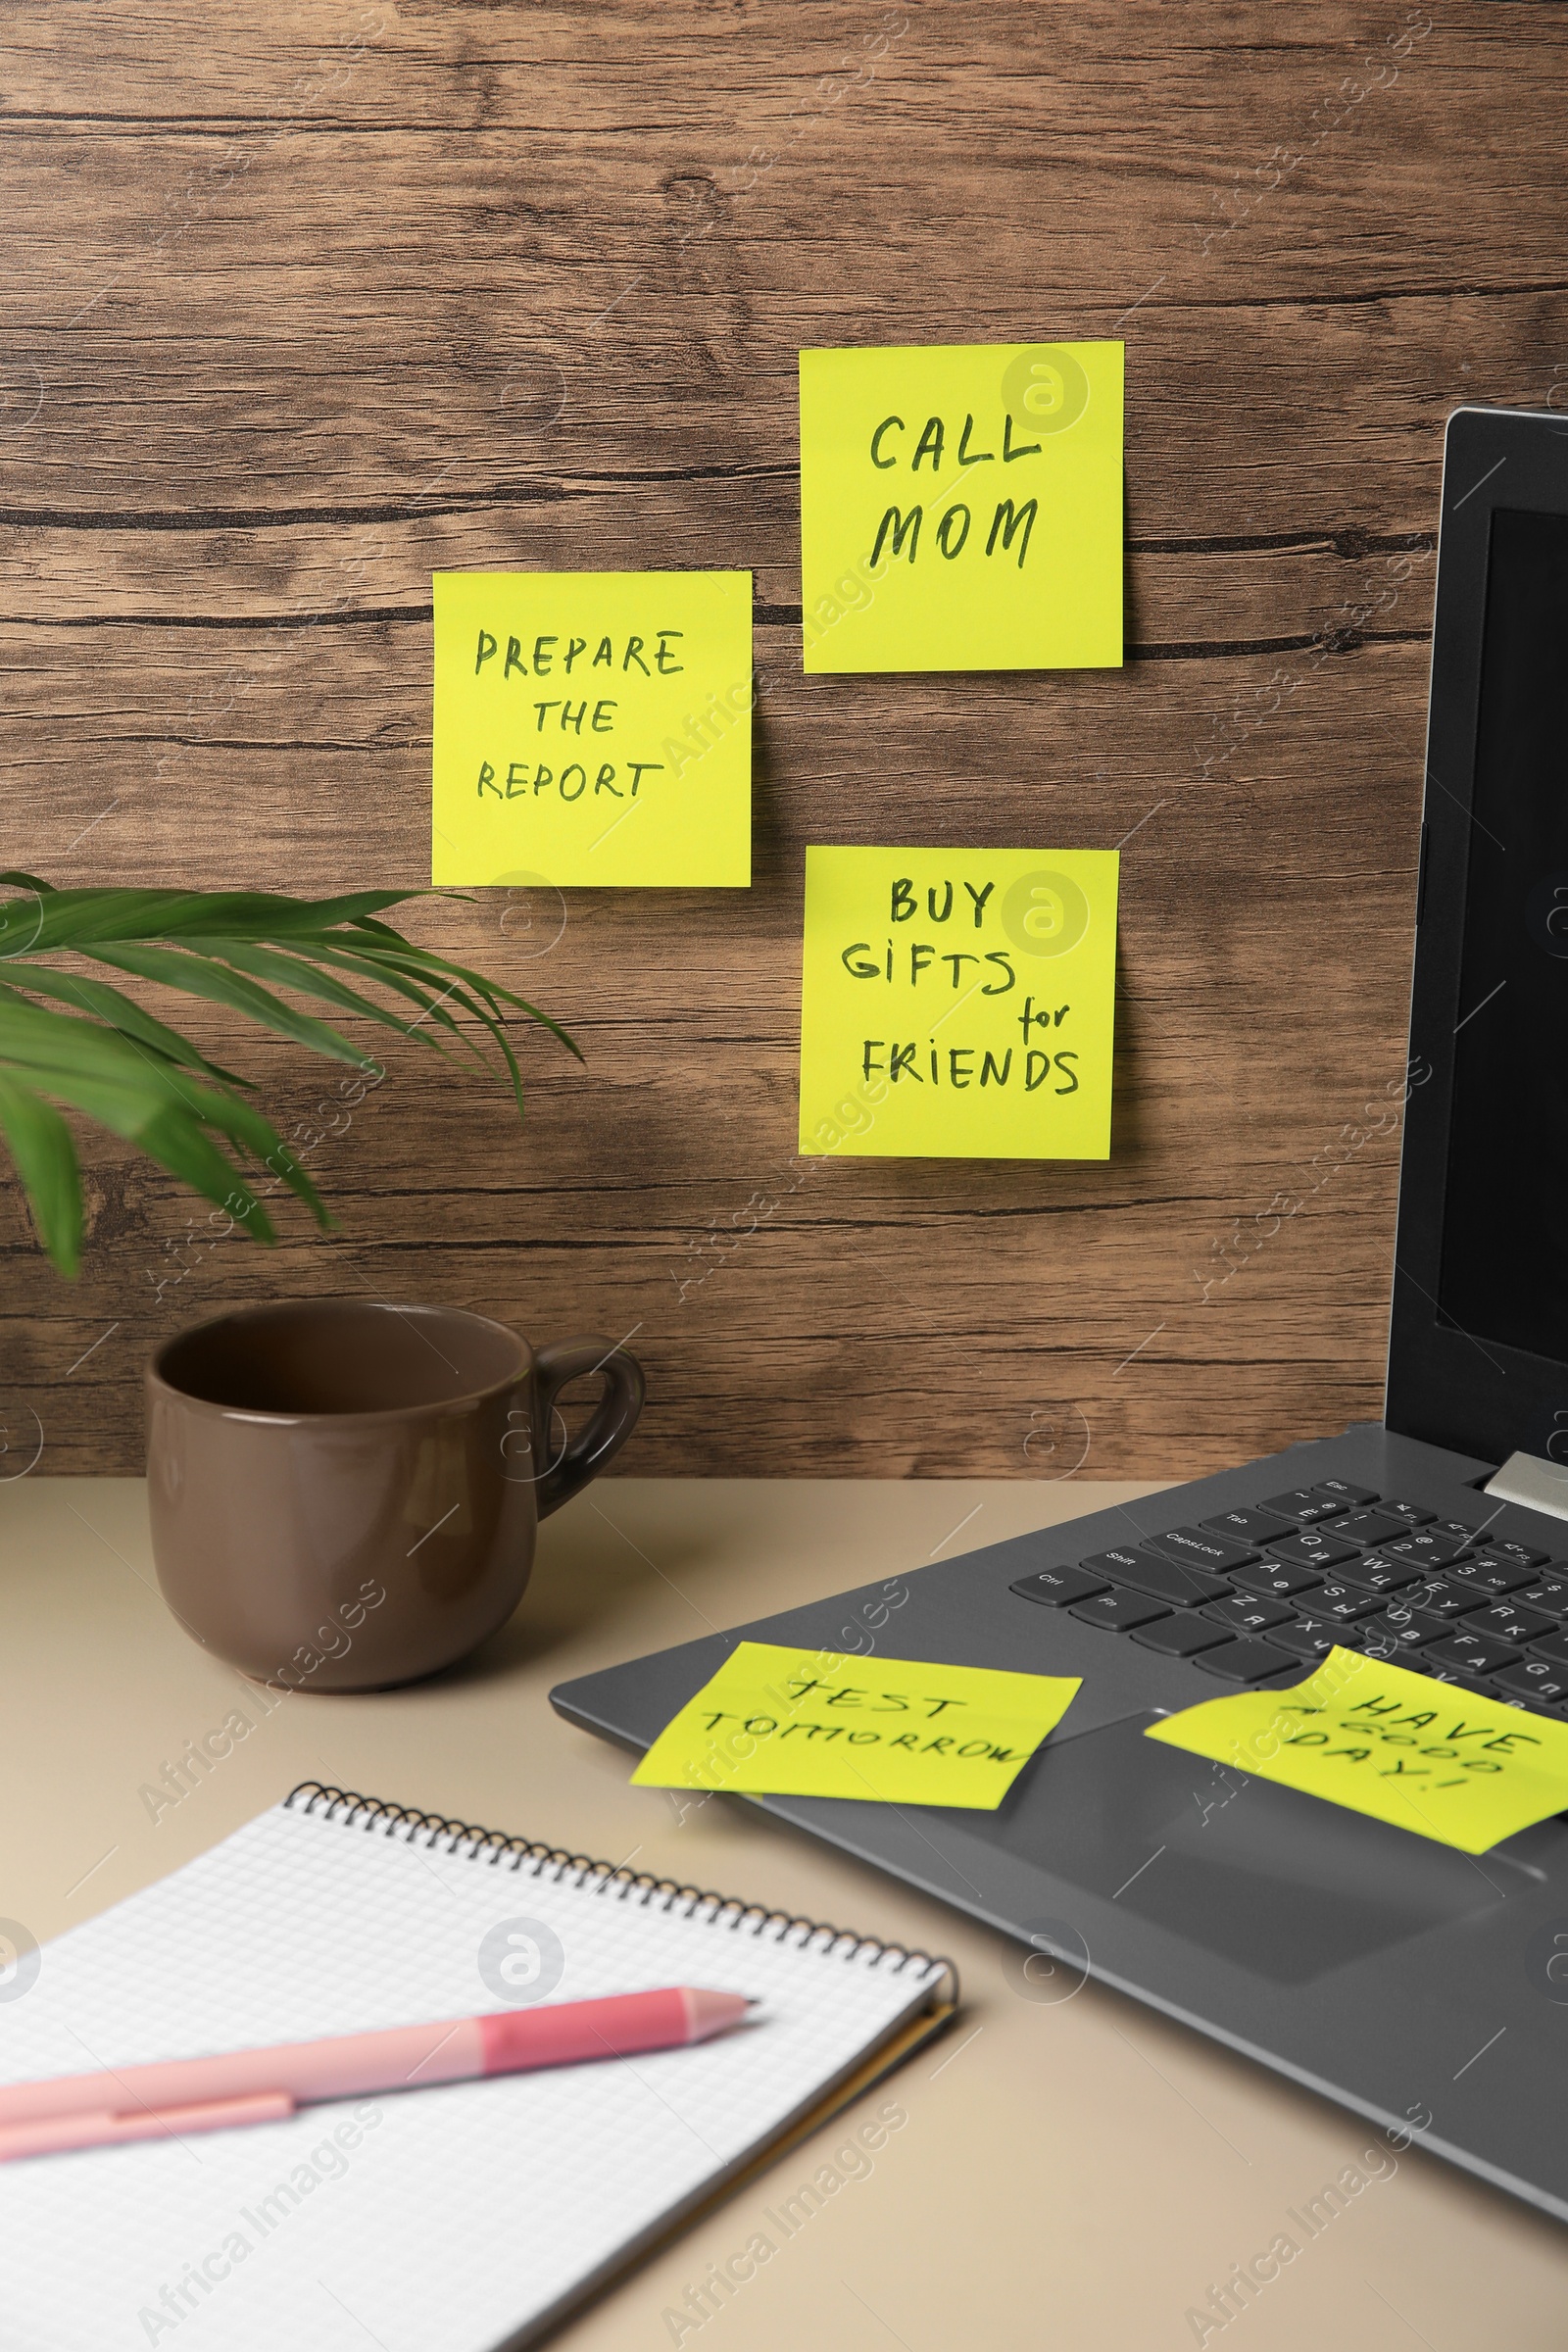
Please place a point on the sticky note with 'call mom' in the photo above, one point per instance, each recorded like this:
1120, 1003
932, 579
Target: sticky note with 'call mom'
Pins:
961, 507
781, 1722
592, 729
1381, 1740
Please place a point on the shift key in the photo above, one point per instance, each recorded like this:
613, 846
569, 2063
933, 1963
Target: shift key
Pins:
1147, 1571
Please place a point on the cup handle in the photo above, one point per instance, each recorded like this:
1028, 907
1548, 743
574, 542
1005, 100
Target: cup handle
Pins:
611, 1424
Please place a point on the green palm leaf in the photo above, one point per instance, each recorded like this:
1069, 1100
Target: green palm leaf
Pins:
116, 1011
40, 1145
201, 976
117, 1063
149, 1101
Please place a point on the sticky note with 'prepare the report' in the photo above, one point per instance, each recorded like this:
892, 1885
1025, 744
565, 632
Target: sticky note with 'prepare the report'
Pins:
592, 729
961, 507
1384, 1741
959, 1003
781, 1722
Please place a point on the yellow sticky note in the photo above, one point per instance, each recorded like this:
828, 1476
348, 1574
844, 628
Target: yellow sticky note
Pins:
592, 729
780, 1722
961, 507
959, 1003
1395, 1744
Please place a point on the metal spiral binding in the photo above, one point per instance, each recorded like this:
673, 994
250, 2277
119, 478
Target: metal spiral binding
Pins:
373, 1812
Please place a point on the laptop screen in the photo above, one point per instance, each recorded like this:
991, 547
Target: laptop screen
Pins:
1504, 1249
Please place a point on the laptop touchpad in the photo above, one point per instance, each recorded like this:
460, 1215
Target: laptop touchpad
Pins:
1269, 1878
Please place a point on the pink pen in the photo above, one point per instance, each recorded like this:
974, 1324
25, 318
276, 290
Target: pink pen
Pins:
262, 2086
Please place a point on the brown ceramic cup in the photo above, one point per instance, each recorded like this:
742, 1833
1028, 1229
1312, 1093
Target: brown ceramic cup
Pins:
345, 1494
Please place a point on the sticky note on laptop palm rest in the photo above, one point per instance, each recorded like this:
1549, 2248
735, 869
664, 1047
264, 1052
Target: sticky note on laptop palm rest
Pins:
961, 507
1400, 1746
781, 1722
592, 729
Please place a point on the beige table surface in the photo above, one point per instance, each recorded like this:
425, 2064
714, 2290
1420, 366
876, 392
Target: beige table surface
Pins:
1077, 2174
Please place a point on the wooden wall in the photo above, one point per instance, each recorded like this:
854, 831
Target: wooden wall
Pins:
304, 302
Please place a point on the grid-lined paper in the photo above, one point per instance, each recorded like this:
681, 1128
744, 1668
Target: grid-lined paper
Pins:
445, 2219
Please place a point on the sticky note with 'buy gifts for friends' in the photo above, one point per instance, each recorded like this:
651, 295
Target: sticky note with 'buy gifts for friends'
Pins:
959, 1003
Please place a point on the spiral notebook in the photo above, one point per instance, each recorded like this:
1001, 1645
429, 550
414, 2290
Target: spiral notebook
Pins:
461, 2219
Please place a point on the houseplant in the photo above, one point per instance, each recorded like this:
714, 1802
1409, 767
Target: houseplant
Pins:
108, 1058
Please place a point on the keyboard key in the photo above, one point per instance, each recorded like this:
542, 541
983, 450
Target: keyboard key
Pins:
1459, 1682
1119, 1555
1472, 1653
1377, 1640
1277, 1580
1428, 1548
1056, 1586
1369, 1527
1553, 1645
1343, 1604
1534, 1678
1309, 1548
1343, 1490
1399, 1629
1506, 1621
1306, 1505
1248, 1526
1410, 1606
1488, 1574
1378, 1574
1550, 1592
1118, 1612
1149, 1572
1241, 1614
1196, 1547
1313, 1637
1181, 1635
1441, 1596
1410, 1512
1247, 1661
1523, 1555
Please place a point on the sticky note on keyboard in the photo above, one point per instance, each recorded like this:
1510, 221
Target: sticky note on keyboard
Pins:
781, 1722
959, 1003
592, 729
1398, 1745
961, 507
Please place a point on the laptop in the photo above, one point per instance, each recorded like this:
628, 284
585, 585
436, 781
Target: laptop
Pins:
1420, 1987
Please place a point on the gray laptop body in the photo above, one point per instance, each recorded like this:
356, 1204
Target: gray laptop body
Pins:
1422, 1987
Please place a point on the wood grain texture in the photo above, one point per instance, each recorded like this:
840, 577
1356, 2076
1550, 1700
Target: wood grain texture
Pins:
305, 304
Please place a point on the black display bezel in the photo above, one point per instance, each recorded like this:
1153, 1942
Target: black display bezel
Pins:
1445, 1385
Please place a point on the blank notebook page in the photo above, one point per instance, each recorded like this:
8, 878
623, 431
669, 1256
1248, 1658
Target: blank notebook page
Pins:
456, 2219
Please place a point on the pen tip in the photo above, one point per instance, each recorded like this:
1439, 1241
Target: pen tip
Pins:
712, 2012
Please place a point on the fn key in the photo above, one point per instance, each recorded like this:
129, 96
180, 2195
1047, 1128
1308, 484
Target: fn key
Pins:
1056, 1586
1119, 1612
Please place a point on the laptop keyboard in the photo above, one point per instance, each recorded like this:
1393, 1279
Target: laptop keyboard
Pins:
1256, 1595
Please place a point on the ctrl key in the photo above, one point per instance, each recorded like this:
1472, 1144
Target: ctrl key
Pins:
1056, 1586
